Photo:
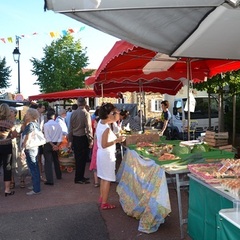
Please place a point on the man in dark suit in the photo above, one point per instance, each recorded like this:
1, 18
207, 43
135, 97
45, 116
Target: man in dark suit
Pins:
80, 139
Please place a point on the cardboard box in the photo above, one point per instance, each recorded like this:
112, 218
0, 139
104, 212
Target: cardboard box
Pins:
135, 138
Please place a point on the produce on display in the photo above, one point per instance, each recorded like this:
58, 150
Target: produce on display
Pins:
181, 150
206, 172
226, 168
232, 185
174, 155
226, 173
183, 162
200, 148
230, 166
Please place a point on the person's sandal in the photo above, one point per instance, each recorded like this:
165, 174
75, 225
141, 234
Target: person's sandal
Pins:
107, 206
9, 193
96, 185
22, 184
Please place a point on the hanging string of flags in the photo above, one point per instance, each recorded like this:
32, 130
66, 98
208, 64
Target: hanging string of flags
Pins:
52, 34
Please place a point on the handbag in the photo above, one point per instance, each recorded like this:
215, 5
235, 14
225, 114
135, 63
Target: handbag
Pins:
36, 139
21, 168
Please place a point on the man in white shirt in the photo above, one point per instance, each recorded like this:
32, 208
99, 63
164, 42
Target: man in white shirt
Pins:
53, 135
61, 120
68, 115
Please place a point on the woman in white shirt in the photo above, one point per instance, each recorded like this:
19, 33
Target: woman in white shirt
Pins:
106, 159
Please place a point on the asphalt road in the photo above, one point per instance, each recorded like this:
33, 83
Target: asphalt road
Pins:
64, 199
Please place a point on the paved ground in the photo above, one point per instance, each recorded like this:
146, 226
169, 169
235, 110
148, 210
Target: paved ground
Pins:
65, 194
73, 221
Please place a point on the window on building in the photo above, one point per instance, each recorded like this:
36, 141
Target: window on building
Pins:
156, 105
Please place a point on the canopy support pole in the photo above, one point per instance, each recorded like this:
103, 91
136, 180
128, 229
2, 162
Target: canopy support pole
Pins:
188, 97
102, 92
141, 102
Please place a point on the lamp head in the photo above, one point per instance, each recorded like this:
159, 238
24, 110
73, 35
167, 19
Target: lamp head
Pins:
16, 54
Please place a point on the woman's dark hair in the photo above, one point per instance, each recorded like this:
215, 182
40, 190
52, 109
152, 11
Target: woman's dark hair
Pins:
96, 112
124, 113
51, 113
105, 109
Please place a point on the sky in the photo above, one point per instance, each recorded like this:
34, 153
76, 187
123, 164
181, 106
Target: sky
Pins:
26, 17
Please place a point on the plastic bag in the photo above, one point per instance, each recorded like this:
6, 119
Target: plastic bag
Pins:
21, 167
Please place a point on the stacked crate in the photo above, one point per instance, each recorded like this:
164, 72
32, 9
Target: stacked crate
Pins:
219, 139
228, 148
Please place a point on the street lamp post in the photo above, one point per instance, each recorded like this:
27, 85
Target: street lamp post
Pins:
16, 57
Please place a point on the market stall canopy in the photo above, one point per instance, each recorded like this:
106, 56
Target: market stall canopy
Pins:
70, 94
183, 28
123, 60
126, 60
90, 80
128, 67
170, 87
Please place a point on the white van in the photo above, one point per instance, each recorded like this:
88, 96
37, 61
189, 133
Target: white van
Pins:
199, 119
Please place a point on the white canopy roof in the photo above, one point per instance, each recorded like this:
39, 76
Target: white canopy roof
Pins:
182, 28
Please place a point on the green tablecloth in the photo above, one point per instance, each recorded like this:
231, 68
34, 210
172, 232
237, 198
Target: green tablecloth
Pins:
226, 230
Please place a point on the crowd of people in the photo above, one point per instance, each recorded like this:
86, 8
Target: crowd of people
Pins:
97, 137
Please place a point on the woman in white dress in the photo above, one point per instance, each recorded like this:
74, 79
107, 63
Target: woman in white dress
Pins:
106, 159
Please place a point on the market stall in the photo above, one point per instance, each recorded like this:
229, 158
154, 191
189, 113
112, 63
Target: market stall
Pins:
68, 94
145, 166
213, 189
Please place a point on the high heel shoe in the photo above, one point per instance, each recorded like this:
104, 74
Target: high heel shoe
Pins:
9, 193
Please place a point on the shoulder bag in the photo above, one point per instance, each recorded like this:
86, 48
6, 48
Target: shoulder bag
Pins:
36, 138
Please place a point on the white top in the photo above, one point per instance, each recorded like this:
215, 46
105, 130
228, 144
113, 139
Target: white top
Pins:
52, 131
67, 119
117, 127
99, 132
106, 159
63, 125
